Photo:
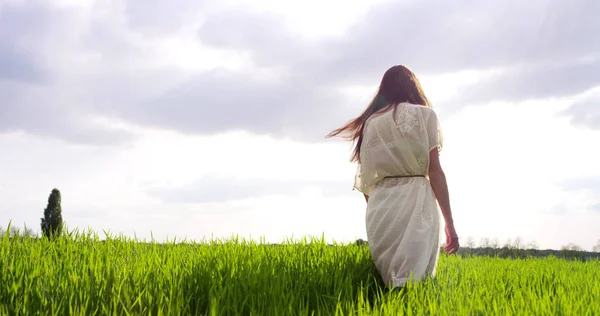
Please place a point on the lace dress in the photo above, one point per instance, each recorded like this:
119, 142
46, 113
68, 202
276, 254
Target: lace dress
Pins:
403, 218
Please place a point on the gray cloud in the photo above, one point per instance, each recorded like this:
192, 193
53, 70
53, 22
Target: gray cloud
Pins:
160, 16
542, 44
542, 56
37, 97
223, 100
15, 65
21, 29
265, 37
210, 189
440, 36
431, 36
38, 110
533, 82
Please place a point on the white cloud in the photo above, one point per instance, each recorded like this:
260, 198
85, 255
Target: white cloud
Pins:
585, 110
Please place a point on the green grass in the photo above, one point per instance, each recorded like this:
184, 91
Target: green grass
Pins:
81, 275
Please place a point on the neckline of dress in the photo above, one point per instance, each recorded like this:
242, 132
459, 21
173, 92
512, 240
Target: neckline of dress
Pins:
379, 114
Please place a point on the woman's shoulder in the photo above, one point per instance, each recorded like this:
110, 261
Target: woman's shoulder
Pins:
426, 111
419, 106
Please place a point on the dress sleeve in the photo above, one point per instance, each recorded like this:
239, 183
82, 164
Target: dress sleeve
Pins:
434, 132
359, 181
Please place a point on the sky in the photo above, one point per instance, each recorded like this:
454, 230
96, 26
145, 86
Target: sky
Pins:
206, 119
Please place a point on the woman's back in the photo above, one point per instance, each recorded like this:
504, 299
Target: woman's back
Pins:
397, 144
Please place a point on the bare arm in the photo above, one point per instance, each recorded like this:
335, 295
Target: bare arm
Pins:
440, 189
439, 185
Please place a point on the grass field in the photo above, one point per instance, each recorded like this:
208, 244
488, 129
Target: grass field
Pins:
81, 275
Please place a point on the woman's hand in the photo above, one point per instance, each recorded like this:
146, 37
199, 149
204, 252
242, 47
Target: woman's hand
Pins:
452, 244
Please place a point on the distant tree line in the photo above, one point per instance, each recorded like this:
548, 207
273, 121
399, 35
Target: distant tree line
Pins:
505, 252
517, 248
17, 232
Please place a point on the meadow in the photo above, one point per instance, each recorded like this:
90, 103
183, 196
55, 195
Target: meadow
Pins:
83, 275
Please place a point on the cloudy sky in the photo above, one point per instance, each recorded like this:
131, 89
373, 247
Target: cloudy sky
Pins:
206, 118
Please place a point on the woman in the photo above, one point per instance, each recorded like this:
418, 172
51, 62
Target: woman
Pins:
398, 140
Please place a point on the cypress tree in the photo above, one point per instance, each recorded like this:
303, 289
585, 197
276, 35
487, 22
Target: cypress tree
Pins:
52, 221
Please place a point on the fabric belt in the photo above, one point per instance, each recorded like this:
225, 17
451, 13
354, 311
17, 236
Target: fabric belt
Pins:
406, 176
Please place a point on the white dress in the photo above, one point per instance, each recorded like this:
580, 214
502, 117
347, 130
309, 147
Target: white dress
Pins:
403, 218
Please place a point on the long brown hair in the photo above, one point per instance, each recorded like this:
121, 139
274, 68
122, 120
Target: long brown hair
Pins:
399, 84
